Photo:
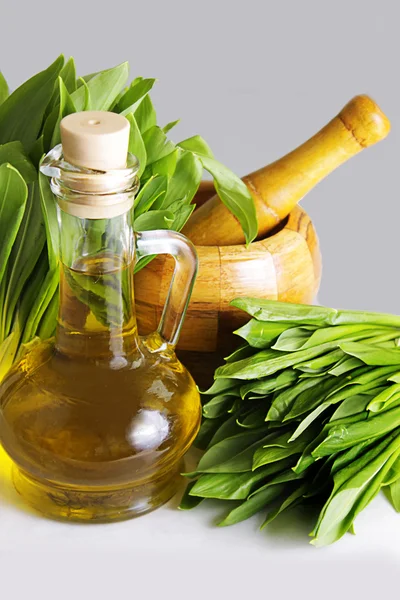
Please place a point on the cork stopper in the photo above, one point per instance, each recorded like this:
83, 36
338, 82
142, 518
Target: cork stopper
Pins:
95, 140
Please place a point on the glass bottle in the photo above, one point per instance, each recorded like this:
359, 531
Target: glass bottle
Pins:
98, 419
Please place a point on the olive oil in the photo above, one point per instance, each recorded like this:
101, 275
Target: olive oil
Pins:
98, 419
97, 414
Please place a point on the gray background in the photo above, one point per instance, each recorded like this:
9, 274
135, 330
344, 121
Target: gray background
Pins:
255, 78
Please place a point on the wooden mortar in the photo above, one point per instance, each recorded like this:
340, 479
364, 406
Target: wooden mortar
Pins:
284, 264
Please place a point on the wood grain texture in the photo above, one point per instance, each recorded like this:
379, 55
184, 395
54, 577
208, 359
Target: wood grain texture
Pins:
278, 187
284, 266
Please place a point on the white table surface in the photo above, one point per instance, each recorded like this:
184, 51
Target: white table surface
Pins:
174, 554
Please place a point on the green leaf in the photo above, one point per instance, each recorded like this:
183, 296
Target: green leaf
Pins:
3, 89
40, 305
372, 355
304, 314
253, 505
154, 219
235, 195
230, 188
136, 144
233, 454
294, 498
188, 502
137, 90
230, 486
66, 107
385, 398
8, 349
352, 406
48, 322
145, 115
355, 487
284, 401
157, 144
268, 362
218, 406
395, 494
49, 209
24, 255
21, 115
88, 100
68, 75
14, 154
279, 449
261, 334
13, 196
37, 152
170, 125
341, 437
148, 194
104, 88
293, 339
197, 145
185, 181
165, 165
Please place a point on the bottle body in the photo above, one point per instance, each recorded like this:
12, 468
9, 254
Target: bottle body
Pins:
97, 420
96, 443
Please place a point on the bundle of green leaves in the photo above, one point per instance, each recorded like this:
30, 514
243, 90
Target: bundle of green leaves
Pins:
307, 410
169, 173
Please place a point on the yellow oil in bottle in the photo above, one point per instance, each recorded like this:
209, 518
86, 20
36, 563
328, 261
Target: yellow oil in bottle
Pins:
97, 421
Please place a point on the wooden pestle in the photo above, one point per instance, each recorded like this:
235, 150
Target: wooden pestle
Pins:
278, 187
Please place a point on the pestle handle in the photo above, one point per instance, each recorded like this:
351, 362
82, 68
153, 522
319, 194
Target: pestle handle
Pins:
278, 187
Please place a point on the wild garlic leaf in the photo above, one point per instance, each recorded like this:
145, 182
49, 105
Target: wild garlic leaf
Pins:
136, 144
68, 75
165, 165
66, 107
48, 322
14, 154
372, 355
24, 255
341, 437
49, 210
230, 486
4, 93
21, 115
395, 494
170, 125
304, 314
13, 196
154, 188
295, 497
136, 91
355, 487
40, 304
253, 505
185, 181
145, 115
188, 502
104, 87
157, 144
235, 195
197, 145
154, 219
88, 100
261, 334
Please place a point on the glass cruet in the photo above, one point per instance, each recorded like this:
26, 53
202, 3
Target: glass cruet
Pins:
98, 419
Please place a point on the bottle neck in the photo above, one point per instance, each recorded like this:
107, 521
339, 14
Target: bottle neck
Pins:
96, 316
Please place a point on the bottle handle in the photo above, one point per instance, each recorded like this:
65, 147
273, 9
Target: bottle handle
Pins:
163, 241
